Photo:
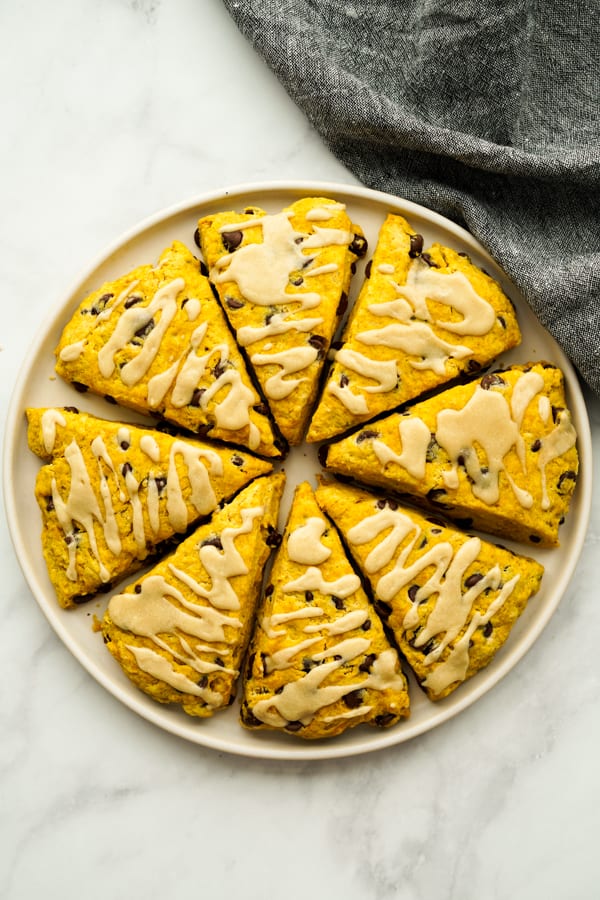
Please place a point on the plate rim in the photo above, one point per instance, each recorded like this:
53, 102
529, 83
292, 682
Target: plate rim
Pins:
405, 731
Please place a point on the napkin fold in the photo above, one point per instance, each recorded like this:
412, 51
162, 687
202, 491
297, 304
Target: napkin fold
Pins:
487, 111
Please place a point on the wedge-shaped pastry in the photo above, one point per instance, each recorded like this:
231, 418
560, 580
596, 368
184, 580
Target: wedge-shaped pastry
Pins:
283, 281
449, 599
498, 454
181, 631
156, 341
113, 493
319, 661
421, 319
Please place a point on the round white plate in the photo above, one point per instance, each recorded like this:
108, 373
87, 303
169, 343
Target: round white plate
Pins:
37, 386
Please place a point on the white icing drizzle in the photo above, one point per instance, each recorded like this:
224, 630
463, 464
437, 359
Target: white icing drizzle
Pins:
222, 564
410, 333
304, 543
354, 403
156, 665
414, 338
203, 497
544, 408
269, 623
149, 446
80, 507
291, 361
312, 580
492, 424
160, 608
262, 271
278, 324
384, 372
559, 441
325, 212
353, 619
192, 308
132, 320
414, 438
50, 419
452, 608
72, 351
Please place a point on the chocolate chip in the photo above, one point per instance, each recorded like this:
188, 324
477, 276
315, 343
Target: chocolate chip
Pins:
358, 246
126, 468
132, 301
71, 409
437, 496
416, 245
145, 330
473, 579
427, 258
297, 280
138, 589
273, 537
535, 538
197, 396
366, 435
160, 483
294, 726
234, 303
124, 445
491, 380
249, 718
385, 719
110, 399
537, 445
366, 625
203, 269
232, 240
488, 629
368, 268
354, 699
100, 304
220, 368
569, 475
309, 596
49, 504
261, 409
502, 321
367, 663
237, 460
338, 603
197, 237
81, 388
317, 341
213, 541
412, 592
269, 590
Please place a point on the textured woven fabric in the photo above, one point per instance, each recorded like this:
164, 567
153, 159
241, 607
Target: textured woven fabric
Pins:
487, 112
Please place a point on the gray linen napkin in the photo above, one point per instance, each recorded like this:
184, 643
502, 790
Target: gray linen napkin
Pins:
487, 111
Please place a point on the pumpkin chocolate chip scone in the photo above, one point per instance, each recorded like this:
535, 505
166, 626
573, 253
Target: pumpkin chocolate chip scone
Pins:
450, 599
498, 454
180, 632
156, 341
112, 494
421, 319
319, 661
283, 281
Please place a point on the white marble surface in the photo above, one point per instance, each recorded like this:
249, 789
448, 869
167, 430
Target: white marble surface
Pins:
111, 111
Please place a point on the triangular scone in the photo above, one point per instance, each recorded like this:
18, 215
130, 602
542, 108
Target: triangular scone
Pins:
181, 631
283, 281
421, 319
450, 599
156, 341
498, 454
319, 661
113, 493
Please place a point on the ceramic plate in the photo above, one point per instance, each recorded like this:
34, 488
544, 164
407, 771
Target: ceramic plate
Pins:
37, 386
